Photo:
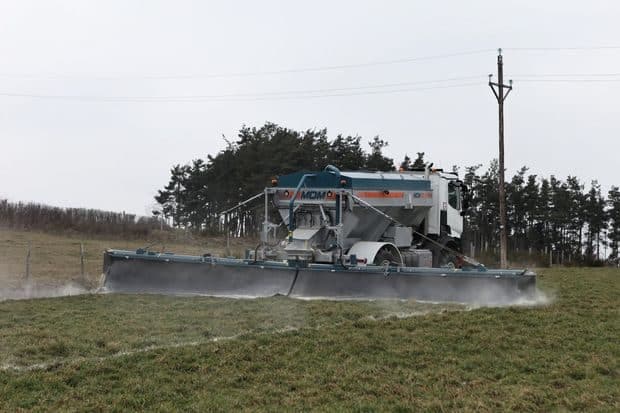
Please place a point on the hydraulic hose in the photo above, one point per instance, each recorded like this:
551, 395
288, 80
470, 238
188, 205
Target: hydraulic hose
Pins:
290, 290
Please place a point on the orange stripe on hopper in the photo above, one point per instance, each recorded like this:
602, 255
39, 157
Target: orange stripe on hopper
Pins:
380, 194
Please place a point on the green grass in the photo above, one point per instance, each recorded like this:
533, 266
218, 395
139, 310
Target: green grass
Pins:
58, 330
67, 353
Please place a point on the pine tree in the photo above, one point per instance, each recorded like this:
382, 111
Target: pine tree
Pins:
530, 203
576, 215
597, 221
613, 202
471, 221
543, 215
376, 161
489, 208
516, 214
419, 161
173, 196
405, 164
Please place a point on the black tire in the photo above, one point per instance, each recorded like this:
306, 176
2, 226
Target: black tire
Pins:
444, 256
385, 256
447, 259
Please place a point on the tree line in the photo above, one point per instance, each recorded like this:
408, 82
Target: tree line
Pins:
548, 218
91, 222
199, 191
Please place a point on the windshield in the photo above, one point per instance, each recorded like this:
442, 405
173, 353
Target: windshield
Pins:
454, 198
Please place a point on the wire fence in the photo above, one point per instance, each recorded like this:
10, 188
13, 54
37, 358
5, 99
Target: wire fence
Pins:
27, 260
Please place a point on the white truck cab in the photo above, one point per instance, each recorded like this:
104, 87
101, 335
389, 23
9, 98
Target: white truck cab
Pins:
444, 217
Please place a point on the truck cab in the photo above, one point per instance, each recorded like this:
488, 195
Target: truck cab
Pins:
444, 218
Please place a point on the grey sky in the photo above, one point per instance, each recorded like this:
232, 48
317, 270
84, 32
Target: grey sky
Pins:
115, 155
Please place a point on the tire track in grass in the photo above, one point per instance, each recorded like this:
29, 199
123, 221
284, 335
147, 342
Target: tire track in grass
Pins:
128, 353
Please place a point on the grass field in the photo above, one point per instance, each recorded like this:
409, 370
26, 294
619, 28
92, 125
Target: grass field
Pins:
159, 353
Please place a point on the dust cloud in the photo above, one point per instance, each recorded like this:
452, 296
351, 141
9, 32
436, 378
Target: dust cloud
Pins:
29, 291
486, 297
537, 299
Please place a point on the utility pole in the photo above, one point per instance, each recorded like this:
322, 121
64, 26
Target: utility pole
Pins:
498, 91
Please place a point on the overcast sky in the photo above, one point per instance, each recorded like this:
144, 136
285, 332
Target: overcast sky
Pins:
82, 150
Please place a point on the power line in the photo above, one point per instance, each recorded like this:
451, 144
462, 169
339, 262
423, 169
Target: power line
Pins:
257, 73
568, 77
220, 98
325, 68
568, 74
380, 92
255, 94
560, 49
323, 92
389, 88
315, 91
384, 85
569, 80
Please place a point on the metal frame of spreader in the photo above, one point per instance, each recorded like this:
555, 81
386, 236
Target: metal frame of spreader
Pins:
149, 272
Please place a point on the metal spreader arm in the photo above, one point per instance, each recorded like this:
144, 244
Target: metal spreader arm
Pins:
240, 204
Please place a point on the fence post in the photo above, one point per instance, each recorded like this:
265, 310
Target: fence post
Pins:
82, 260
550, 257
227, 236
28, 262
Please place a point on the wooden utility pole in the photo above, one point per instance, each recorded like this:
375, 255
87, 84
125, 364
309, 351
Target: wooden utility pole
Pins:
498, 91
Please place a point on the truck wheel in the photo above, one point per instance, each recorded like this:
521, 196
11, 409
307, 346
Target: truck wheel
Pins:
447, 259
443, 257
385, 256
